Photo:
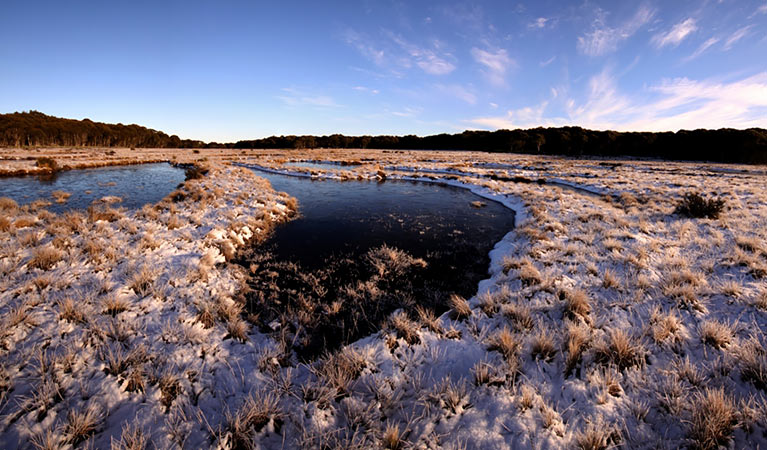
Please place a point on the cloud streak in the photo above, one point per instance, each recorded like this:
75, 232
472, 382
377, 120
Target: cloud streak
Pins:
396, 52
495, 63
676, 34
603, 39
677, 104
736, 36
702, 48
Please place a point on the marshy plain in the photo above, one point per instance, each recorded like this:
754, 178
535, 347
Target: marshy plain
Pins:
626, 306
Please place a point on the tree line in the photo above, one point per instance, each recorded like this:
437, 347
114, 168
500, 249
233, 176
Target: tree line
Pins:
724, 145
35, 129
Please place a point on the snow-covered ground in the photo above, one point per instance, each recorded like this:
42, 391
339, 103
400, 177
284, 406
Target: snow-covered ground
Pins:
606, 320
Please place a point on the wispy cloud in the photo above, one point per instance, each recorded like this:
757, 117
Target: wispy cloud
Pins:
362, 44
736, 36
407, 112
457, 91
604, 39
296, 97
548, 61
395, 52
676, 34
496, 63
428, 59
676, 104
702, 48
366, 89
540, 23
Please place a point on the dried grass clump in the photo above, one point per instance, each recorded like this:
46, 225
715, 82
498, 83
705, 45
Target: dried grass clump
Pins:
578, 337
428, 319
206, 314
24, 222
620, 349
258, 410
507, 344
543, 345
170, 389
44, 258
61, 196
405, 328
113, 305
520, 315
141, 282
529, 274
460, 309
340, 369
131, 438
597, 435
752, 358
393, 438
81, 425
664, 325
8, 204
237, 329
70, 311
696, 206
451, 396
488, 303
610, 280
716, 334
5, 224
485, 373
732, 288
577, 304
103, 212
174, 222
713, 420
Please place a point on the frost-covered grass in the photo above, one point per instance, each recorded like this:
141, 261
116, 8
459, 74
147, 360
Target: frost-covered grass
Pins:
100, 337
607, 319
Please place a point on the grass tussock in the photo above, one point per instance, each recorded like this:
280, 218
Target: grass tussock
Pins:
71, 311
507, 344
716, 334
597, 435
141, 282
131, 438
752, 357
405, 327
577, 304
258, 409
8, 204
460, 309
713, 420
696, 206
529, 274
44, 258
81, 424
620, 349
543, 345
520, 315
578, 337
340, 369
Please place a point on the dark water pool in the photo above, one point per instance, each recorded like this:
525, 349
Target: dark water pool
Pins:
137, 185
331, 253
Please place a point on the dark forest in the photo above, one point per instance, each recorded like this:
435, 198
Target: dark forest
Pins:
35, 129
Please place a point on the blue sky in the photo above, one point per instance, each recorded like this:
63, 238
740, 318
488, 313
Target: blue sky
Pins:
233, 70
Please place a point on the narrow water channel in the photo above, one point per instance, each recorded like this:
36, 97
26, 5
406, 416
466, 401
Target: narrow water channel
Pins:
136, 185
361, 249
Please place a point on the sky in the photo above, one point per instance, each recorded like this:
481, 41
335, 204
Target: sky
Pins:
228, 70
